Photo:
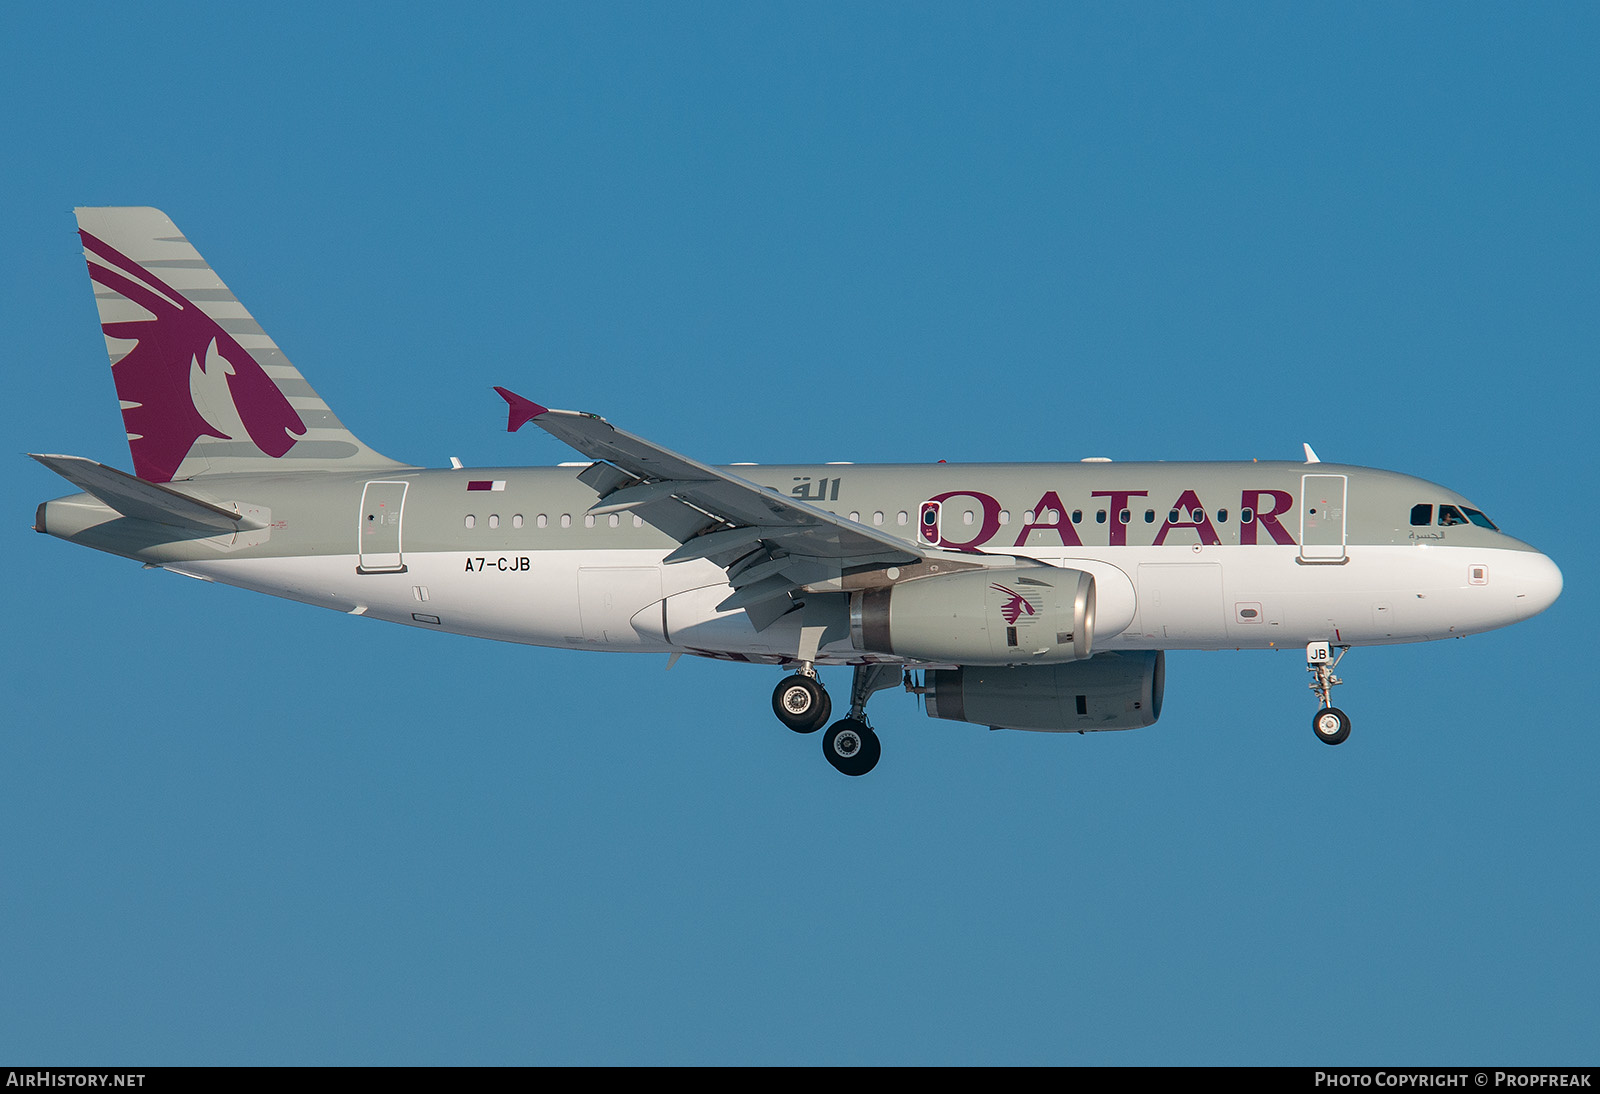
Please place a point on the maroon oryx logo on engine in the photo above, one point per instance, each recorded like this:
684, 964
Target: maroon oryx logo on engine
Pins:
1014, 608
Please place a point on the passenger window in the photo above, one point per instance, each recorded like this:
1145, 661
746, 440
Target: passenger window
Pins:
1247, 515
516, 520
566, 520
1077, 516
1421, 516
471, 521
541, 520
1149, 516
1100, 516
1123, 517
494, 520
1222, 516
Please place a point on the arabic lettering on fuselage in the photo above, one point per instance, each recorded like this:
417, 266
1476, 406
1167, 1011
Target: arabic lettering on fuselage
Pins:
804, 489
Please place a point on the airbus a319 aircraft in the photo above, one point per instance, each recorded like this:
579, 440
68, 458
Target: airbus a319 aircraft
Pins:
1020, 596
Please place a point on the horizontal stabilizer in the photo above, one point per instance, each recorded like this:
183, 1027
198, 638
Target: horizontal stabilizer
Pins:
145, 500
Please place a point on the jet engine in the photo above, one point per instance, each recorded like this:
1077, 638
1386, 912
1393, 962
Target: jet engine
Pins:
1109, 691
1041, 615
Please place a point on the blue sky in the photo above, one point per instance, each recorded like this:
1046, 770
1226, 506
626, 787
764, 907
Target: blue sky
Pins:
238, 830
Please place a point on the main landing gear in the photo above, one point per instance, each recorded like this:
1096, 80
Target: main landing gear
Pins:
1330, 724
800, 702
850, 745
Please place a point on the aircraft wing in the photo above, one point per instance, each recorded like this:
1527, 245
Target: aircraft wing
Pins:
772, 546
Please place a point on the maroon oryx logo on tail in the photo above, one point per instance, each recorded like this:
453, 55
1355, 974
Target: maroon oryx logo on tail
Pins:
1014, 608
176, 348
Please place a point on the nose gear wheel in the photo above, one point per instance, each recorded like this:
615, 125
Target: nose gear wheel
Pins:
1330, 724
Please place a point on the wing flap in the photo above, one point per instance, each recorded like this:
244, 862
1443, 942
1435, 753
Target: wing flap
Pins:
768, 588
632, 497
680, 521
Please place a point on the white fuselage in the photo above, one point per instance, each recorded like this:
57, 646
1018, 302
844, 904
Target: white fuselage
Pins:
1248, 556
1207, 597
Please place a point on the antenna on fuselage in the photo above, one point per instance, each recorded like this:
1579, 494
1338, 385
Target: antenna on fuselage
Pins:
1311, 457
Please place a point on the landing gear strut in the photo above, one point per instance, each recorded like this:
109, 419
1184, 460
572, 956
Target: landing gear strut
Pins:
1330, 724
850, 745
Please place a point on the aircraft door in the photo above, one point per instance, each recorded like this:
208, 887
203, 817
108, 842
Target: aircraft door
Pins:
378, 533
928, 524
1322, 518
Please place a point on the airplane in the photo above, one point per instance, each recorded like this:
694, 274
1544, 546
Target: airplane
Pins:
1021, 596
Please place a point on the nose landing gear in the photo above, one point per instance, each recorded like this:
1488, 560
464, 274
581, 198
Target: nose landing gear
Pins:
1330, 724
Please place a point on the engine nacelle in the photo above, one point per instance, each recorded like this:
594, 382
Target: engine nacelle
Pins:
1111, 691
1039, 615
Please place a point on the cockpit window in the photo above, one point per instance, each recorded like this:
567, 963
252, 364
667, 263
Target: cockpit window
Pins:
1450, 516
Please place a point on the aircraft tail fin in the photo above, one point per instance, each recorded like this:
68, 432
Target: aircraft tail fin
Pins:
204, 390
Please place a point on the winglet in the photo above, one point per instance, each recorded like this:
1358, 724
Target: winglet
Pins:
523, 410
1311, 457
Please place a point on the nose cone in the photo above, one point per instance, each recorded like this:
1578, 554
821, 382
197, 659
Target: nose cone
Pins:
1538, 584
